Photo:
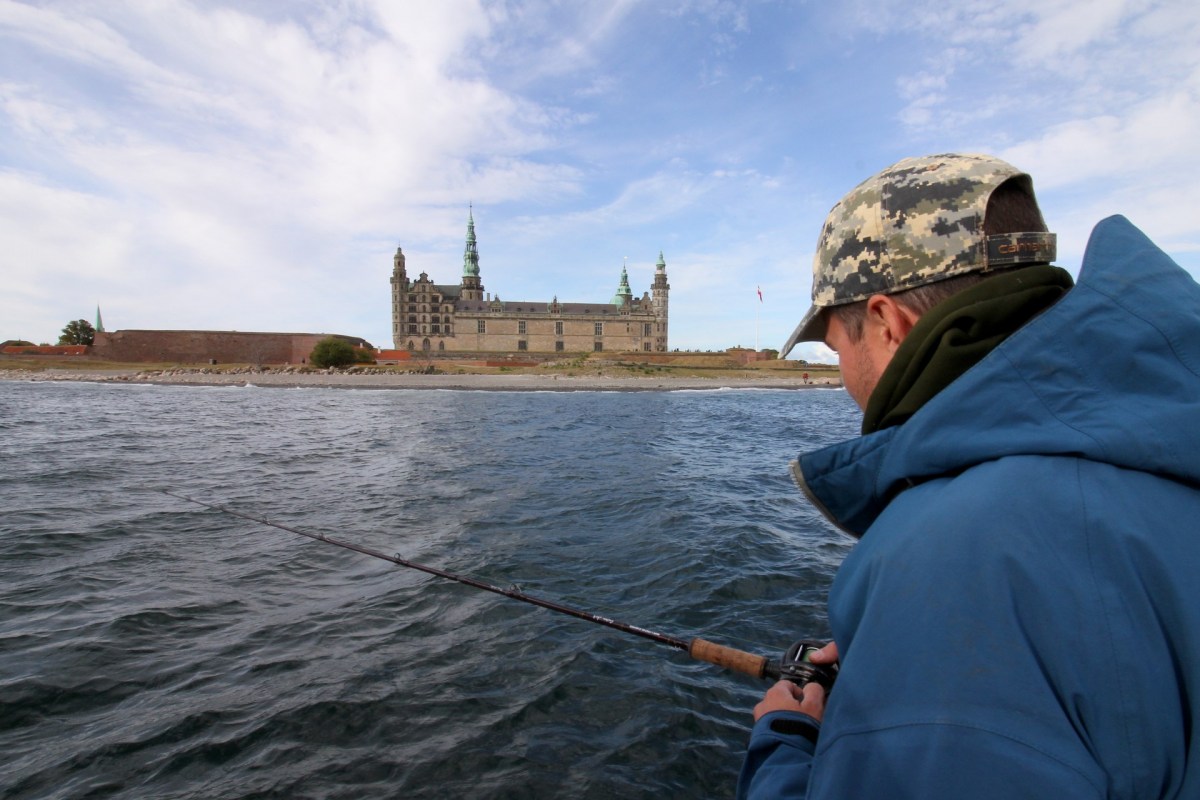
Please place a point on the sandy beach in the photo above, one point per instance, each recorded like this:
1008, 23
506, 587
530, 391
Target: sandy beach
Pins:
528, 382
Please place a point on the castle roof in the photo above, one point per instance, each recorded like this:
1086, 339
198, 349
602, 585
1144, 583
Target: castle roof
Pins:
539, 307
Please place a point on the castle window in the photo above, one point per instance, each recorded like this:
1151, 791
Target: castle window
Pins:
425, 345
412, 328
646, 329
522, 345
521, 327
646, 346
482, 326
597, 346
558, 328
441, 345
599, 329
436, 328
558, 346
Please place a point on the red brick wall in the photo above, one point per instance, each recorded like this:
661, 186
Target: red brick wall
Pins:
45, 350
198, 347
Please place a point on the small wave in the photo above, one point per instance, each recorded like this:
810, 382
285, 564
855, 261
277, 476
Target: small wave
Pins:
157, 649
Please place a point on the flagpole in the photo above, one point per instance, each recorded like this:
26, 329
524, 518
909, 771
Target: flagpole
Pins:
756, 310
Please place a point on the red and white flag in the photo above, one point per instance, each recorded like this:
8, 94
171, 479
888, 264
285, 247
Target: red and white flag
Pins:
759, 293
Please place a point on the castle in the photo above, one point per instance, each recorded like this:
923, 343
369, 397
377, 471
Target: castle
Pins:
435, 317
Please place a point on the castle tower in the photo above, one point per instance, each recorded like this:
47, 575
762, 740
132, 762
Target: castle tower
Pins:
624, 295
472, 288
661, 289
399, 290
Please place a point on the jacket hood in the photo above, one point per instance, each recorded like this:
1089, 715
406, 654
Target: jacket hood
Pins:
1110, 373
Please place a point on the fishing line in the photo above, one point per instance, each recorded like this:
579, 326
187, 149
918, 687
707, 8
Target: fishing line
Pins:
699, 649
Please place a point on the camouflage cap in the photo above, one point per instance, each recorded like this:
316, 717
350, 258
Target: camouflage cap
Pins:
916, 222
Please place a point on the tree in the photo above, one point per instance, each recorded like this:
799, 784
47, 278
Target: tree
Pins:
332, 352
79, 331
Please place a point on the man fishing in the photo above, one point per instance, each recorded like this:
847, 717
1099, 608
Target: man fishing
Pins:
1018, 618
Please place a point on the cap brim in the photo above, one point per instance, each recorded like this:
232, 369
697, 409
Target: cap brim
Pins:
810, 329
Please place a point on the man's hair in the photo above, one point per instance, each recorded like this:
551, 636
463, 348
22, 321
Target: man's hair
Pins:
1010, 209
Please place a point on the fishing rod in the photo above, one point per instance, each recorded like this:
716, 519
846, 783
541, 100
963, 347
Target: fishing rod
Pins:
794, 665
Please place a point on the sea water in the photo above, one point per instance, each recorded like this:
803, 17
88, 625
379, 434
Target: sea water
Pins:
154, 648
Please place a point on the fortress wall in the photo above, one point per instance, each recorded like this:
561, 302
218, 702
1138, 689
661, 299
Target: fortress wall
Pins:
196, 347
45, 350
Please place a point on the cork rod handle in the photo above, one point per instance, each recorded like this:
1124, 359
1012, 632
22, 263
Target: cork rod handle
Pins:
727, 657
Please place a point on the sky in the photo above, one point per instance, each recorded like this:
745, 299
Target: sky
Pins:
254, 165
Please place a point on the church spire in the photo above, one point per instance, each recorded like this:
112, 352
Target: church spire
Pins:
99, 322
471, 253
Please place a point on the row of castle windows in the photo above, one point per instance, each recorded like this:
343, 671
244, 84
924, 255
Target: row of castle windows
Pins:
521, 345
424, 308
481, 326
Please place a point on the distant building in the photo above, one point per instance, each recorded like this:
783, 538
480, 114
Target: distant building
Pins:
434, 317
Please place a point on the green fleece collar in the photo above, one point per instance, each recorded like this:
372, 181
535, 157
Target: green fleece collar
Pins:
955, 335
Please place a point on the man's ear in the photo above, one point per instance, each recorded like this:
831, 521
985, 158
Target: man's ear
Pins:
889, 321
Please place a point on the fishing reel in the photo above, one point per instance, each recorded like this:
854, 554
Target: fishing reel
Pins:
796, 666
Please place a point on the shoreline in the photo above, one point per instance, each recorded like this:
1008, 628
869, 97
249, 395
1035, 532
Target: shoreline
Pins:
335, 379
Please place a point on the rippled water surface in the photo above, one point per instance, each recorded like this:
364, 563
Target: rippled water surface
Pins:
154, 648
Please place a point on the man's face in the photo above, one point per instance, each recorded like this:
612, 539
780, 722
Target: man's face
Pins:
861, 366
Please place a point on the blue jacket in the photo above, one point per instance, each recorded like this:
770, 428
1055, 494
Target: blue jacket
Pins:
1022, 615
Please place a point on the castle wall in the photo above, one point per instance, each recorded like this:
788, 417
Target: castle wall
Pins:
45, 350
502, 333
194, 347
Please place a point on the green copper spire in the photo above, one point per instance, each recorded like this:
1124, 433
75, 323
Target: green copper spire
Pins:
471, 253
624, 293
99, 322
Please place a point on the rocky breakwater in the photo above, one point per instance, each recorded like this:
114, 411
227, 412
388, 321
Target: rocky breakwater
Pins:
370, 377
203, 375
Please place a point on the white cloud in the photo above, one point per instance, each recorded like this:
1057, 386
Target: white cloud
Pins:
79, 234
1098, 100
286, 148
1146, 138
1141, 163
239, 146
